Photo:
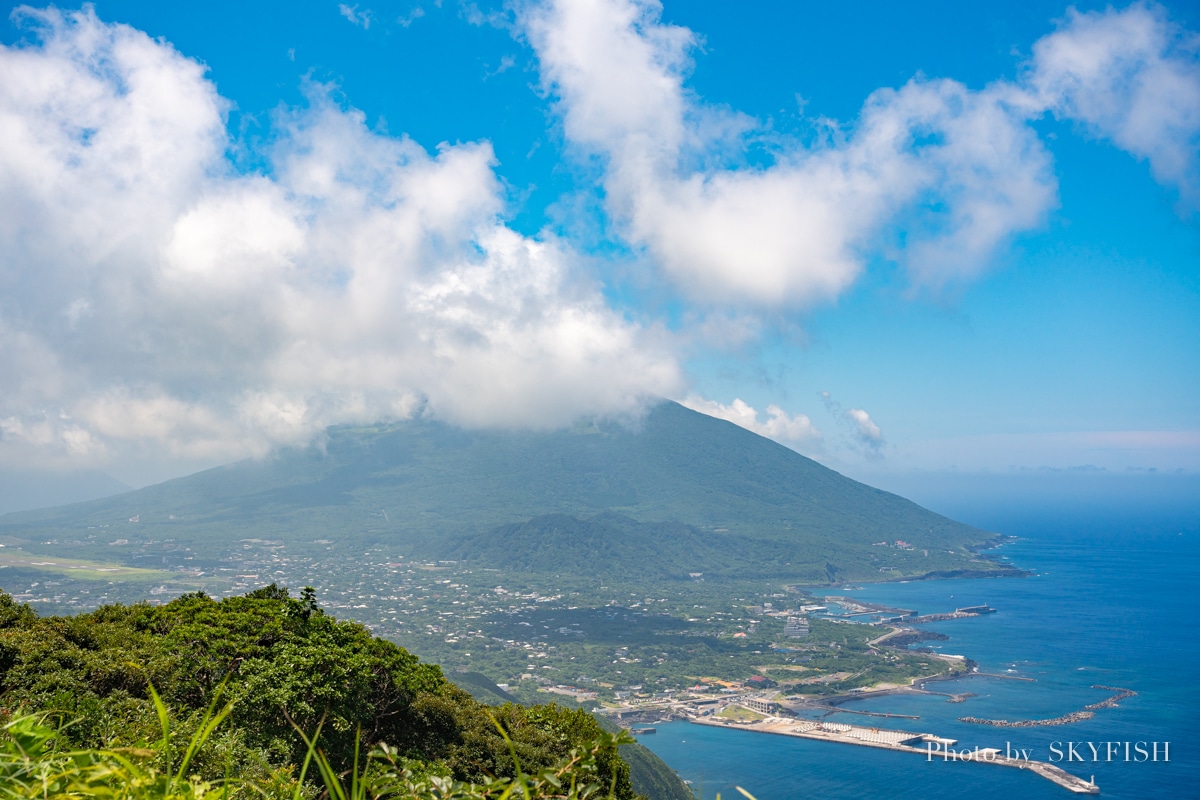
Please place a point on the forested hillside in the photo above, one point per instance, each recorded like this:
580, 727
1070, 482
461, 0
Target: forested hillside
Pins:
285, 667
676, 483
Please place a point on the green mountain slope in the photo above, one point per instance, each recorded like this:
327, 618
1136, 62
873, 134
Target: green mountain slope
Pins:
679, 487
611, 545
482, 688
651, 776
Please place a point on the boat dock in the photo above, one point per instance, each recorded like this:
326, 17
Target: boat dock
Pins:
859, 608
922, 744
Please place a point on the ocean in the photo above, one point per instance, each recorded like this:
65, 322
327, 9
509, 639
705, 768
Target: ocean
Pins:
1109, 602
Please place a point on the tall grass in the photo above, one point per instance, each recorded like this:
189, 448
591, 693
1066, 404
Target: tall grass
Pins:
34, 765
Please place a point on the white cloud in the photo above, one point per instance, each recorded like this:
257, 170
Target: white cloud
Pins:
866, 437
411, 17
867, 431
362, 19
796, 431
507, 62
1131, 76
494, 17
154, 301
957, 170
932, 174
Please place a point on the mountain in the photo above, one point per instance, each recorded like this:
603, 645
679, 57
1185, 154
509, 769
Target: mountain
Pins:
679, 492
22, 490
611, 545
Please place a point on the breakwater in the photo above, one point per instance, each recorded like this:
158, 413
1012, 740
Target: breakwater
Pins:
1087, 712
1065, 719
941, 617
930, 746
1120, 695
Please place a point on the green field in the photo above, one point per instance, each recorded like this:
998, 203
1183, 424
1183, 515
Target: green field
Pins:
76, 568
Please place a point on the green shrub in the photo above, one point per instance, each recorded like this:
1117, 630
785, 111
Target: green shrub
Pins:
280, 665
33, 764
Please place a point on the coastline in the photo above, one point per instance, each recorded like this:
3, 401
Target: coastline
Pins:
1003, 570
1097, 589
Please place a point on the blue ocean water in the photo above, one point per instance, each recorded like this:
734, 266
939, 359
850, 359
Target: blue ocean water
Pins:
1107, 604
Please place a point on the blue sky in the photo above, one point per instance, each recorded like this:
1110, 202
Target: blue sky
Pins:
904, 239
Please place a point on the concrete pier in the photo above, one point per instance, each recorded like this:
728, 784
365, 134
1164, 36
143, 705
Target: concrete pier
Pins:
927, 745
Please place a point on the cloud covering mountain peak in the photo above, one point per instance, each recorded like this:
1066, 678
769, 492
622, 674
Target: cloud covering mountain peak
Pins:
154, 294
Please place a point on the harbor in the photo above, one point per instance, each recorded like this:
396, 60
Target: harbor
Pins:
928, 745
750, 707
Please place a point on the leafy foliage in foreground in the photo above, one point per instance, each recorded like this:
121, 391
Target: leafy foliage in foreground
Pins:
33, 766
282, 666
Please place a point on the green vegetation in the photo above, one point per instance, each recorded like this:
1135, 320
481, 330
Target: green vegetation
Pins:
739, 714
651, 777
281, 665
483, 688
649, 774
644, 653
486, 626
34, 766
614, 548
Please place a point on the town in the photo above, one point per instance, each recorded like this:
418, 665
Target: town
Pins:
691, 645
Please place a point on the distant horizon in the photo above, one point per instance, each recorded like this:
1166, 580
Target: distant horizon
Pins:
1026, 498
